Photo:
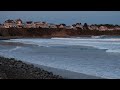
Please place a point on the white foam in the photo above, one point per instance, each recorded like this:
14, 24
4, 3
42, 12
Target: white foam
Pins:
115, 51
101, 65
111, 45
16, 48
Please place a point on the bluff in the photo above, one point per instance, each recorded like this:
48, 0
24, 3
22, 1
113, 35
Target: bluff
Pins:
48, 32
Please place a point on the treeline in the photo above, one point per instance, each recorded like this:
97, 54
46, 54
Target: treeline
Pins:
42, 32
107, 25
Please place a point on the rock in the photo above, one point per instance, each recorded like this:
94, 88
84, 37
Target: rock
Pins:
10, 65
13, 69
3, 76
0, 63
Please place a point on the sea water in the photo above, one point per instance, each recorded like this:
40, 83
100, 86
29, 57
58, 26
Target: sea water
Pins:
95, 56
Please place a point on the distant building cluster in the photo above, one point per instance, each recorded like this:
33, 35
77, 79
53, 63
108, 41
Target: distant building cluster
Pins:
30, 24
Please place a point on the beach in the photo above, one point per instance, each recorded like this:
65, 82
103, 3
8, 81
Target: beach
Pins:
59, 45
66, 74
86, 58
16, 69
60, 73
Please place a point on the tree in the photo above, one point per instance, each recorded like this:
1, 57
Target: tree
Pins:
63, 24
85, 26
116, 25
73, 25
78, 23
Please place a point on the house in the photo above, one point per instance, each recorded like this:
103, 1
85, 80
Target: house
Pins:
9, 23
41, 25
61, 26
103, 28
29, 24
117, 28
93, 27
74, 27
37, 24
90, 28
69, 27
19, 23
45, 25
52, 25
78, 25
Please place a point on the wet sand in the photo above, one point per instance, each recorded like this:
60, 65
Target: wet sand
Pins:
43, 72
66, 74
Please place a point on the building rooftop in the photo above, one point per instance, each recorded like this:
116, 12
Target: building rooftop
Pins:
19, 20
9, 21
29, 22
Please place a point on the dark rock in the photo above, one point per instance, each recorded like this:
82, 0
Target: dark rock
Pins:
13, 69
3, 76
0, 63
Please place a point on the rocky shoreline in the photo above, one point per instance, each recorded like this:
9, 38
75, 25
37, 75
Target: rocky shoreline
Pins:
14, 69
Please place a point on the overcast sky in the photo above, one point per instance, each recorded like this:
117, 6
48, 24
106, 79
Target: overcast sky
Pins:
67, 17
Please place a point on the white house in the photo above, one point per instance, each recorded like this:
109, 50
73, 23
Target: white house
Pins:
52, 25
9, 23
78, 25
117, 28
29, 24
93, 27
61, 26
41, 25
103, 28
19, 23
37, 24
69, 27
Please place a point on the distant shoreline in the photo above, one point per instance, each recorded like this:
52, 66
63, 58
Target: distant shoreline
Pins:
14, 33
21, 37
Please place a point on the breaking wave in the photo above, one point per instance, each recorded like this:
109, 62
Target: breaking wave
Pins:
16, 48
110, 44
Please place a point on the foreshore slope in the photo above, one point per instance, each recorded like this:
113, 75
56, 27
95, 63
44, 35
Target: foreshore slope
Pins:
15, 69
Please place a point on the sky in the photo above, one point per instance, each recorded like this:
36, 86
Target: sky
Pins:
67, 17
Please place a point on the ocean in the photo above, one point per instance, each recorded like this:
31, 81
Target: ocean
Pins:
96, 55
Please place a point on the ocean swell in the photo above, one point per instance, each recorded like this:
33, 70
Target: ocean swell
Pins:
111, 45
